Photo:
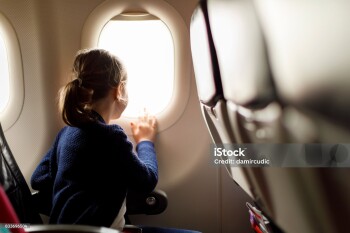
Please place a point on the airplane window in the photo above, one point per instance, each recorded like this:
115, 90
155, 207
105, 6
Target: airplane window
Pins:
145, 45
4, 76
11, 75
152, 40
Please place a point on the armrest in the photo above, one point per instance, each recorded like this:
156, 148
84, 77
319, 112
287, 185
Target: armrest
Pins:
137, 203
69, 229
151, 203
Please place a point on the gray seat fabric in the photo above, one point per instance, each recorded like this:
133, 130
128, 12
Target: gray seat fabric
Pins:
285, 75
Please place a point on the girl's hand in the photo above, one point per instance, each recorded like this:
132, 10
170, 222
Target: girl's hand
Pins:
145, 129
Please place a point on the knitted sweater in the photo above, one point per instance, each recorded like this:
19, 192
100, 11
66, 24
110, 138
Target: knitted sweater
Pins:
88, 171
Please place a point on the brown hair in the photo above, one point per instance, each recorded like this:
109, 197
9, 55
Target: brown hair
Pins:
95, 72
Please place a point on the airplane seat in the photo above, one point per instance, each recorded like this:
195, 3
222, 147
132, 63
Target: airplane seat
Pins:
207, 76
311, 66
245, 73
28, 206
222, 108
285, 76
210, 90
254, 110
307, 45
247, 90
15, 186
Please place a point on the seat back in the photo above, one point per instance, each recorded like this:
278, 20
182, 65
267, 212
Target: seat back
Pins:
15, 186
210, 89
252, 104
207, 76
237, 50
307, 44
285, 75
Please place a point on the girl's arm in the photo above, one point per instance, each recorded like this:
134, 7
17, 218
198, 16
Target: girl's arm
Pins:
144, 168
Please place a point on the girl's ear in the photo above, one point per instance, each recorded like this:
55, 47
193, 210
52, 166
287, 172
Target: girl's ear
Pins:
119, 92
115, 93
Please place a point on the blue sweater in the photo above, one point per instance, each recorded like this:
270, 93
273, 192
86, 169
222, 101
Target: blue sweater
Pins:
88, 171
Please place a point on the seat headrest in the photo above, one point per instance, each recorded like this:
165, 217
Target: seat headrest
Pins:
308, 50
241, 52
204, 57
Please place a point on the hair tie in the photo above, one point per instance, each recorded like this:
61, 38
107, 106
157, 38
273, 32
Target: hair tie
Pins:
80, 81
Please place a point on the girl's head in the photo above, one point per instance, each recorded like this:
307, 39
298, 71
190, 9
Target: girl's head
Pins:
97, 75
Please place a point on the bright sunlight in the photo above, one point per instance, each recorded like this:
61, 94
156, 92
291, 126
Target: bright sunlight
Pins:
146, 49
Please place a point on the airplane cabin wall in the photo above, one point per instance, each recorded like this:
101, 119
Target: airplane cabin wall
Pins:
201, 195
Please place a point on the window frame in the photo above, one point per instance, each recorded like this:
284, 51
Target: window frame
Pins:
179, 31
13, 109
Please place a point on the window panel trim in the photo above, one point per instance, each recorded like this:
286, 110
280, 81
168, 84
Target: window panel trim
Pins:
177, 27
13, 109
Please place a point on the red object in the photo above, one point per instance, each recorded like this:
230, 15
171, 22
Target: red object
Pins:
8, 214
257, 229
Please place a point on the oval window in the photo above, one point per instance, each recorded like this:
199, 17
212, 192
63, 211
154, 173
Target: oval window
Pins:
145, 45
11, 75
152, 40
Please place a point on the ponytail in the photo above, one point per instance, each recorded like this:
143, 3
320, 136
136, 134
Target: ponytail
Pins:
75, 104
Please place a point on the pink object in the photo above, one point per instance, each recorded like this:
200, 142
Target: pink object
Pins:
8, 214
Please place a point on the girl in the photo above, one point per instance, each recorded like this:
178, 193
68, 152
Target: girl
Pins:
91, 165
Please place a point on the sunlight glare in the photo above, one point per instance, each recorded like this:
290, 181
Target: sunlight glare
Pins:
146, 49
